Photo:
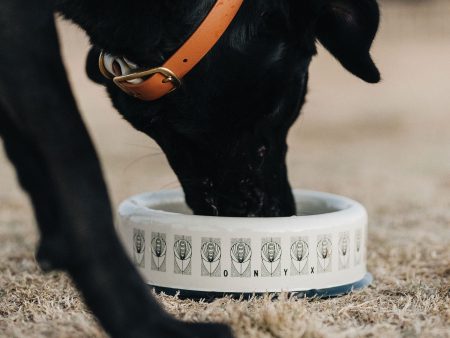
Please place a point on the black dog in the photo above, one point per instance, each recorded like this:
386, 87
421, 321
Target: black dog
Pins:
224, 131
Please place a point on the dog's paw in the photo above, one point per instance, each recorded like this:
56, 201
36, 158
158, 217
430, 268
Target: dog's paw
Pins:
210, 330
180, 329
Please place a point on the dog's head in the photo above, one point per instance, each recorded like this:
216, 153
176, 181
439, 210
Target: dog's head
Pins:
224, 131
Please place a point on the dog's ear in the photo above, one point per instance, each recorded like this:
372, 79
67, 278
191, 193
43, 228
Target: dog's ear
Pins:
347, 28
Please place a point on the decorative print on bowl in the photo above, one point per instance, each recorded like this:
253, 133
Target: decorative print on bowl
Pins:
182, 250
321, 252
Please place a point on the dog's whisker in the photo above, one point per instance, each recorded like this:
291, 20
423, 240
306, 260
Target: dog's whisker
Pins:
171, 184
139, 159
144, 146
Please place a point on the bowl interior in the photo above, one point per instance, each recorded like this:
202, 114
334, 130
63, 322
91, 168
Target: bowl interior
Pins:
305, 206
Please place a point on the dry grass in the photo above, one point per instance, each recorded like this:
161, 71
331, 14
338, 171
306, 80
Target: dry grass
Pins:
386, 146
410, 296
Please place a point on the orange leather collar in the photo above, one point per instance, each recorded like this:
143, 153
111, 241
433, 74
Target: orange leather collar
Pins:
167, 78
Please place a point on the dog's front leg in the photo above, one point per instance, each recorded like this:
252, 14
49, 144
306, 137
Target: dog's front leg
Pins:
56, 163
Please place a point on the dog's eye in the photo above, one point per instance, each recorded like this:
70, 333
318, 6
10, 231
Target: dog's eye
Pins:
118, 66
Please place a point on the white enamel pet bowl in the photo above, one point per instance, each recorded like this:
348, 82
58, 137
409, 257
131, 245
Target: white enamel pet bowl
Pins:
320, 253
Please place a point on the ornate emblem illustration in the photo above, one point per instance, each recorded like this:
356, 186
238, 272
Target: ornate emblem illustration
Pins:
139, 247
182, 249
211, 255
344, 250
241, 254
299, 256
358, 242
324, 253
159, 250
271, 257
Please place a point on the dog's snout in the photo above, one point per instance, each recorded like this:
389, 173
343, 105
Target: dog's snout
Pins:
247, 197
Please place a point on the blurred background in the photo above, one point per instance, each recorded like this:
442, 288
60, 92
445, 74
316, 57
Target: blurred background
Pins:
386, 145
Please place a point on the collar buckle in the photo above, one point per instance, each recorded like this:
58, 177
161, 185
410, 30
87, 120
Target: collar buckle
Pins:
123, 81
168, 76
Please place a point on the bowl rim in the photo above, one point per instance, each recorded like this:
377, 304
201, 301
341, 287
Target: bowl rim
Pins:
140, 206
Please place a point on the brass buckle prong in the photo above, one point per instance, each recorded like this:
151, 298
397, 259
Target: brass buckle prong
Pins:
169, 76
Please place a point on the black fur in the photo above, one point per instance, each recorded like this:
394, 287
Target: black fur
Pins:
224, 131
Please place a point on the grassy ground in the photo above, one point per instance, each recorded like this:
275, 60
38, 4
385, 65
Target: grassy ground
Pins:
387, 146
